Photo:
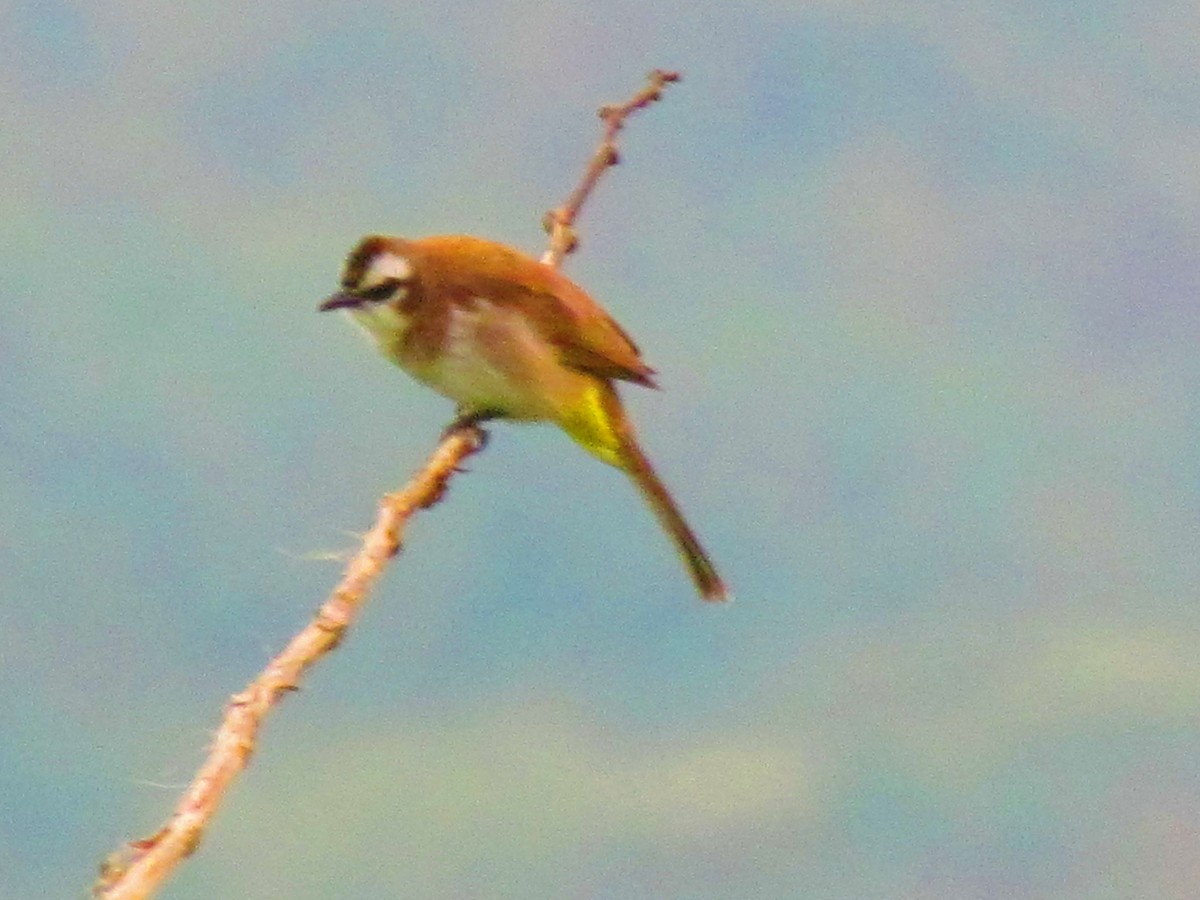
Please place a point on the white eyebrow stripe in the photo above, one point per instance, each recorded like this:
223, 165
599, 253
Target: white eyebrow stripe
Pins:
390, 266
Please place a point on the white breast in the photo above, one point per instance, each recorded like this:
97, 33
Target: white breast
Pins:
493, 359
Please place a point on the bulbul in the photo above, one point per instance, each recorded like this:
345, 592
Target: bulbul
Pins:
504, 336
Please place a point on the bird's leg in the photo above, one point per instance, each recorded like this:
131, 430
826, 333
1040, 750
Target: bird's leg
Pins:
472, 419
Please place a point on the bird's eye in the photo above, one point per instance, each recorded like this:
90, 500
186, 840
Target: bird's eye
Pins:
380, 292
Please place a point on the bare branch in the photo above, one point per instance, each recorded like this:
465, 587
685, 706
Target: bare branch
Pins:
140, 868
560, 221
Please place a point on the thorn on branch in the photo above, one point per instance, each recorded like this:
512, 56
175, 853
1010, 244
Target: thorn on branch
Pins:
612, 115
660, 78
564, 239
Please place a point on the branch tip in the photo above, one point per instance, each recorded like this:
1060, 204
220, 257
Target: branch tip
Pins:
559, 222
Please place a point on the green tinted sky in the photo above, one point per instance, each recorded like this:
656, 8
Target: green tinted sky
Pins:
920, 280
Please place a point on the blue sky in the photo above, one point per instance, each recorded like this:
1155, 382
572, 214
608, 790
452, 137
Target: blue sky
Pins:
920, 282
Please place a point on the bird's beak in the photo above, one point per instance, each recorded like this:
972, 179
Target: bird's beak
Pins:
340, 301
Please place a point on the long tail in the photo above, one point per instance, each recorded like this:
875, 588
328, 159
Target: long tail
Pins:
598, 422
699, 566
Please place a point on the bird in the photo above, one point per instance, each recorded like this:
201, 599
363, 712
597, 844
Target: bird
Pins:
508, 337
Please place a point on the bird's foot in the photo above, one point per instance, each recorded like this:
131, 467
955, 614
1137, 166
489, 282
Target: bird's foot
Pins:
471, 421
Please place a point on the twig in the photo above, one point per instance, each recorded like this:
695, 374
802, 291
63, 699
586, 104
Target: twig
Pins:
141, 867
560, 221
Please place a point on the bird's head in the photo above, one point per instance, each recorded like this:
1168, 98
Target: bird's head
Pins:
378, 277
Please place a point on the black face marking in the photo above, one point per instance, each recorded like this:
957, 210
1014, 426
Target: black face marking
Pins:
379, 292
360, 258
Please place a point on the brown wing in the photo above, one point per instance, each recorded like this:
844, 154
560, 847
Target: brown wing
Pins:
586, 336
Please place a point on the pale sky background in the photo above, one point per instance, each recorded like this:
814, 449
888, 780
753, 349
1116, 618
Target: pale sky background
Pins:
921, 283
